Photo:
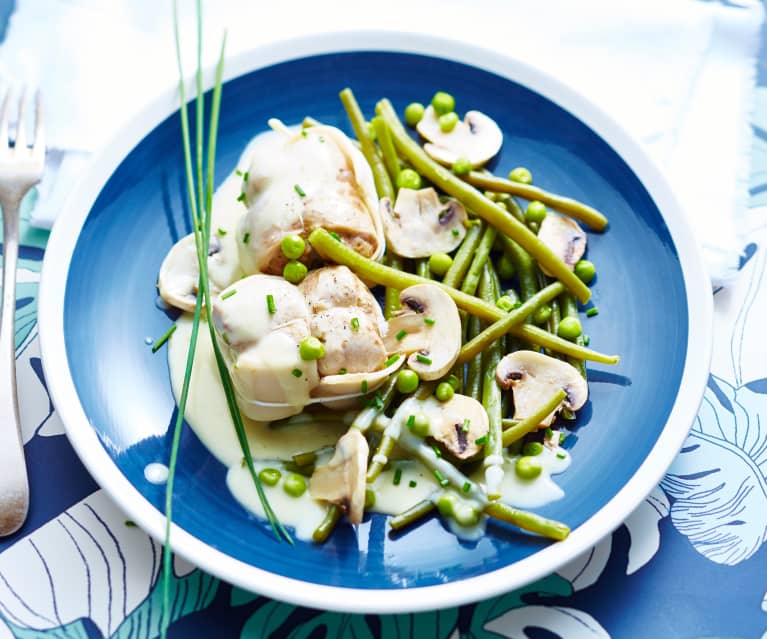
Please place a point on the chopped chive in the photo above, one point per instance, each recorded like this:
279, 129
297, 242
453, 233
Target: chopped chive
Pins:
480, 440
441, 478
429, 321
391, 360
397, 477
304, 133
165, 337
549, 433
466, 487
228, 294
322, 138
222, 232
246, 238
297, 372
245, 176
436, 450
561, 455
423, 359
342, 371
590, 312
466, 425
299, 190
270, 304
401, 334
355, 324
586, 340
456, 232
130, 523
412, 483
244, 463
238, 172
411, 421
364, 386
241, 197
335, 236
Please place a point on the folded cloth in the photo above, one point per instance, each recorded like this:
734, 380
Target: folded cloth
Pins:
677, 74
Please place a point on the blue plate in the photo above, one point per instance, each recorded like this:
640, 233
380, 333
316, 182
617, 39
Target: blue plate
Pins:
114, 394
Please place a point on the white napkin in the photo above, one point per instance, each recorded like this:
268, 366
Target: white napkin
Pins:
678, 74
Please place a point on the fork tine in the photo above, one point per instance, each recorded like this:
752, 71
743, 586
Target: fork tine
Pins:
4, 142
38, 148
21, 125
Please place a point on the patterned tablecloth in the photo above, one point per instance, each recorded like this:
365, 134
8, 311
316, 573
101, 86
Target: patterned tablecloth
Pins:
689, 563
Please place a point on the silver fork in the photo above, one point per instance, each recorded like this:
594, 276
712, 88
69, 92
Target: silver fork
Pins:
21, 167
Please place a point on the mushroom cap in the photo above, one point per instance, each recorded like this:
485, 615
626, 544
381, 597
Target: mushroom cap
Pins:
534, 377
180, 273
342, 480
446, 422
564, 237
477, 139
439, 341
419, 224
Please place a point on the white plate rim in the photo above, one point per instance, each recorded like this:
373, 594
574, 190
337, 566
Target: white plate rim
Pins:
381, 601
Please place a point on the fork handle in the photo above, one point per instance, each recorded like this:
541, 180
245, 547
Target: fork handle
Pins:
14, 485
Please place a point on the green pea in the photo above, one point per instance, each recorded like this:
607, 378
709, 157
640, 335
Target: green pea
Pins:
294, 271
407, 381
413, 113
569, 328
444, 392
535, 212
269, 476
443, 102
505, 303
440, 263
528, 467
420, 425
294, 484
448, 121
445, 504
311, 348
542, 314
454, 382
505, 267
531, 449
521, 174
585, 271
461, 166
293, 246
408, 179
370, 499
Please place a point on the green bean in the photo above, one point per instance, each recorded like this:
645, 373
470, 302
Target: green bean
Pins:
512, 206
569, 308
549, 528
474, 368
367, 145
526, 271
385, 447
475, 201
552, 325
462, 259
305, 459
390, 159
333, 250
422, 268
315, 417
491, 391
322, 532
367, 416
471, 281
573, 208
504, 325
391, 294
412, 514
533, 422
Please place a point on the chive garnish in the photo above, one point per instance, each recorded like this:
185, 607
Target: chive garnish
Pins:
364, 386
561, 455
436, 450
412, 483
322, 138
164, 338
299, 190
586, 340
466, 425
429, 321
246, 238
297, 372
303, 133
411, 421
241, 197
456, 232
335, 236
342, 371
423, 359
130, 523
481, 440
222, 232
466, 487
590, 312
228, 294
270, 304
397, 476
562, 438
238, 172
245, 176
401, 334
391, 360
549, 433
355, 324
441, 478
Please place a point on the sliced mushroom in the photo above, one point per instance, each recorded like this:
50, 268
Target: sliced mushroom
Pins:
342, 480
535, 377
331, 386
456, 424
419, 224
477, 139
564, 237
180, 273
428, 329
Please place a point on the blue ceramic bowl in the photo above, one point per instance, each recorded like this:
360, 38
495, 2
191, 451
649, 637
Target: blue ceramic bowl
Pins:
114, 394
